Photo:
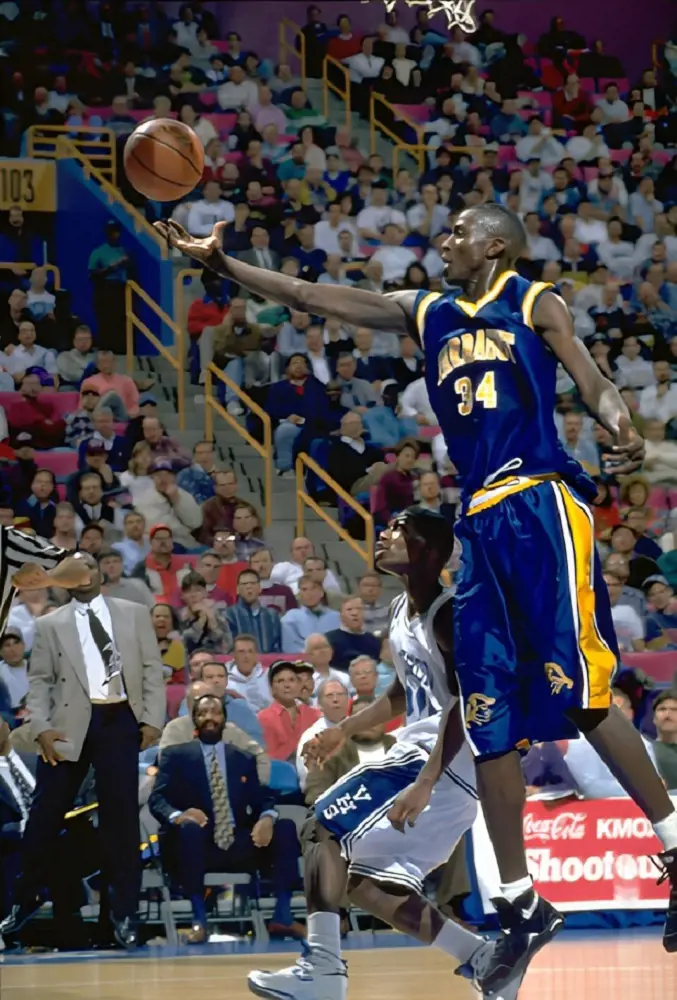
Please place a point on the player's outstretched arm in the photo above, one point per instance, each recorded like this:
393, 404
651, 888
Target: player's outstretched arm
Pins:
393, 312
601, 397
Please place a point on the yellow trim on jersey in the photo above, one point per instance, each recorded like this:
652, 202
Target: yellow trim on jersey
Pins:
472, 308
534, 291
597, 659
422, 309
491, 495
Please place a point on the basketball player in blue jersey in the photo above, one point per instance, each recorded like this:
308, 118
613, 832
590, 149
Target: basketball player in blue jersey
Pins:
534, 646
358, 845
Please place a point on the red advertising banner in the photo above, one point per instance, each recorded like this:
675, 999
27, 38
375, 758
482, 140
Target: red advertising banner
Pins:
593, 855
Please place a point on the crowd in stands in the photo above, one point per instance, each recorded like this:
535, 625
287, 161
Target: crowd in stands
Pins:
85, 458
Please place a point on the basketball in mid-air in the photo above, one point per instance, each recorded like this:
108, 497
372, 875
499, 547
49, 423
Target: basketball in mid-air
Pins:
164, 159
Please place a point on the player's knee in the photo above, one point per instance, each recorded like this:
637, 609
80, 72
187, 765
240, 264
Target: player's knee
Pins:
587, 719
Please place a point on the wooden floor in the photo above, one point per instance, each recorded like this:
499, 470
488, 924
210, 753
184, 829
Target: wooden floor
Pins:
595, 968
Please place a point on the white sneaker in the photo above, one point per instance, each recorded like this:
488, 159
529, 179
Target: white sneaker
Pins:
475, 968
303, 981
234, 409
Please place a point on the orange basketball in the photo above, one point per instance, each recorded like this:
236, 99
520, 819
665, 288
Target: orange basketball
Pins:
164, 159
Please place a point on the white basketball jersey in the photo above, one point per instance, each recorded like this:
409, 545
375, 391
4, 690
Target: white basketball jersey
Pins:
422, 672
420, 668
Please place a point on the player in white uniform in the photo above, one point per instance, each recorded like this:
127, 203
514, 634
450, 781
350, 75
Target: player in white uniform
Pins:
360, 821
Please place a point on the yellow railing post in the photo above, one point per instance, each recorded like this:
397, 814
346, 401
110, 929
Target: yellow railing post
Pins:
289, 47
176, 358
265, 450
99, 143
375, 123
303, 500
335, 88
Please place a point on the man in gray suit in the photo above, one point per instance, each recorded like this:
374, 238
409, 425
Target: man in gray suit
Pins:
96, 697
260, 254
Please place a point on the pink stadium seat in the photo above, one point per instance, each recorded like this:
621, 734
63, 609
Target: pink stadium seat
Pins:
65, 402
505, 155
620, 155
61, 490
550, 75
658, 498
661, 666
62, 462
416, 112
223, 121
208, 98
428, 432
588, 84
543, 98
236, 158
120, 428
662, 156
589, 174
672, 498
220, 44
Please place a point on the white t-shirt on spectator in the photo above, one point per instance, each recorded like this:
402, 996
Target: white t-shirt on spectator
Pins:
582, 148
40, 303
636, 373
542, 248
433, 263
655, 407
532, 189
20, 359
289, 573
376, 217
364, 67
593, 778
628, 626
255, 689
395, 261
203, 216
417, 215
415, 402
613, 111
235, 96
327, 238
590, 231
204, 130
549, 152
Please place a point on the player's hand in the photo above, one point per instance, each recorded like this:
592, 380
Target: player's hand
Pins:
200, 250
49, 753
323, 746
628, 448
409, 804
71, 573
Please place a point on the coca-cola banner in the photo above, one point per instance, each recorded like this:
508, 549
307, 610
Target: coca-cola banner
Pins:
593, 855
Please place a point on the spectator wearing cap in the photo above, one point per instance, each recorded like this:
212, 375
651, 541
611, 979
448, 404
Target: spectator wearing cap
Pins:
117, 391
95, 459
104, 433
662, 616
168, 504
80, 423
198, 478
18, 477
310, 617
163, 446
285, 721
134, 546
248, 615
204, 625
115, 584
37, 414
14, 666
160, 569
665, 746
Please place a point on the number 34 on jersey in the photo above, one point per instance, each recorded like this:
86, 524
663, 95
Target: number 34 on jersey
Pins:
471, 348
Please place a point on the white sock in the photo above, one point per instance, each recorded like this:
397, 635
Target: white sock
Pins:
666, 831
513, 890
324, 935
456, 941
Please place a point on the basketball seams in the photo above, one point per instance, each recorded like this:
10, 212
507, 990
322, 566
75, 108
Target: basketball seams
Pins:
154, 173
167, 145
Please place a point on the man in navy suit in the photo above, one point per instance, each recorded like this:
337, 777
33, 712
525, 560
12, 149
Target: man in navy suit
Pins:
216, 817
297, 404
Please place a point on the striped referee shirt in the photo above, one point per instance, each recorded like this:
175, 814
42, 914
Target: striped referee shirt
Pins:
16, 549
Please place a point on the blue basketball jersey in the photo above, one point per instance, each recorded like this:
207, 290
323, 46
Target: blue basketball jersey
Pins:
491, 382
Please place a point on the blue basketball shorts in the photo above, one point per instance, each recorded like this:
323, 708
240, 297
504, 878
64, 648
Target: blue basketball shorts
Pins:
534, 633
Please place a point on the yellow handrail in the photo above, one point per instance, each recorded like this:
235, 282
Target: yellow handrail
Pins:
265, 450
5, 265
181, 313
44, 139
335, 88
290, 47
303, 500
378, 102
175, 359
67, 150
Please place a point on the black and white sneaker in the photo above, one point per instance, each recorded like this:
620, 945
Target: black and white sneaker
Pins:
668, 863
527, 925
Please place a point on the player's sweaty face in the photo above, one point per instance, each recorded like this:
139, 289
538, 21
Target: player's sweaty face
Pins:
391, 548
464, 250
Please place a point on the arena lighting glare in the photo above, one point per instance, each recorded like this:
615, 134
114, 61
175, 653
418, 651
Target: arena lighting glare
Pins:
458, 12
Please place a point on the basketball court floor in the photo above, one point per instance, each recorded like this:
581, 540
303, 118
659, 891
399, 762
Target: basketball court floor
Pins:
591, 966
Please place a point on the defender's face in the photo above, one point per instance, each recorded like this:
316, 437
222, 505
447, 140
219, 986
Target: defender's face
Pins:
392, 554
465, 250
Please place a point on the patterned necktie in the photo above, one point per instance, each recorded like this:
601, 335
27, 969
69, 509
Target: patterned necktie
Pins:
104, 643
223, 817
22, 786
